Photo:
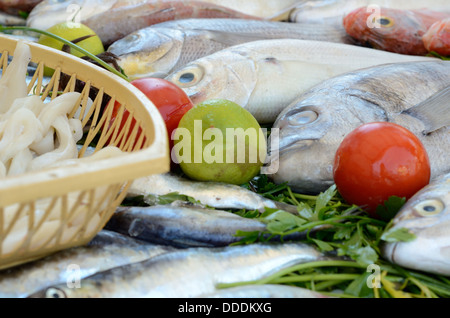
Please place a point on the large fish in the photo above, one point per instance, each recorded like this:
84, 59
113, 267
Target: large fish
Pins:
116, 19
312, 127
188, 273
333, 11
266, 76
106, 250
213, 194
437, 38
157, 50
394, 30
427, 216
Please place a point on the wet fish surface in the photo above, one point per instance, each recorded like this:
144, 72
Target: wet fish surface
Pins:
312, 127
265, 76
395, 30
188, 273
427, 216
437, 38
106, 250
160, 49
265, 291
213, 194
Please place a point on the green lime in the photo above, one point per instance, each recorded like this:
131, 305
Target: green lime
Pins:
72, 31
219, 140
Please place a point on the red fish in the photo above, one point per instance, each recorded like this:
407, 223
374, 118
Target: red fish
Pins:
393, 30
437, 38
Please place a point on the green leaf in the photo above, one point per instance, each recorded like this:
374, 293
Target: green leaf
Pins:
324, 198
359, 287
323, 246
390, 208
398, 235
281, 222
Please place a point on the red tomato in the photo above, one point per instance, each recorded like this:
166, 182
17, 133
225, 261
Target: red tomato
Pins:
171, 101
377, 161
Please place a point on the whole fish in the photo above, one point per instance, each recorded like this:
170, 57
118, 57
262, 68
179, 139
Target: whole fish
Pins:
427, 216
213, 194
394, 30
157, 50
313, 126
265, 76
189, 272
437, 38
265, 291
106, 250
332, 12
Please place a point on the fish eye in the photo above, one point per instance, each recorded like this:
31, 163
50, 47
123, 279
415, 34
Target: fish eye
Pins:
385, 22
55, 293
303, 118
189, 76
429, 207
186, 77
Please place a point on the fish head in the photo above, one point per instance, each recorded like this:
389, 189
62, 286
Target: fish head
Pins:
388, 29
50, 12
226, 74
149, 52
427, 216
82, 290
310, 132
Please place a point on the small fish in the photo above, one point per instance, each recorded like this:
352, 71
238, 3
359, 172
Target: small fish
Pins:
162, 48
332, 12
313, 126
189, 272
106, 250
265, 291
213, 194
265, 76
394, 30
437, 38
427, 216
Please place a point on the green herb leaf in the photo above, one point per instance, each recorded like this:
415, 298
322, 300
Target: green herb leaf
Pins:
390, 208
398, 235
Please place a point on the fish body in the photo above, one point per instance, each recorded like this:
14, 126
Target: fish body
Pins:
160, 49
333, 11
265, 291
437, 38
213, 194
189, 272
265, 76
427, 216
395, 30
312, 127
106, 250
181, 225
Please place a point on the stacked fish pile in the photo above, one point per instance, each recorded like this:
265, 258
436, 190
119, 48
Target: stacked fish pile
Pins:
301, 66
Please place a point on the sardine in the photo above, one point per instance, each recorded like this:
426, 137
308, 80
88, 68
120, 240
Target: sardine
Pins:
189, 272
265, 76
265, 291
157, 50
214, 194
395, 30
437, 38
427, 216
313, 126
106, 250
333, 11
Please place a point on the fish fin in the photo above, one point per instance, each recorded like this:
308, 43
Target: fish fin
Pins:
284, 14
434, 111
230, 38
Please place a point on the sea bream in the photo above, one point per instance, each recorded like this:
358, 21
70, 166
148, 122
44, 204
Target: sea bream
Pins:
414, 95
332, 12
394, 30
162, 48
265, 76
187, 273
427, 216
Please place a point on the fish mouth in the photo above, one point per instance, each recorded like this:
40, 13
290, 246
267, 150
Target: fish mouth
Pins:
295, 146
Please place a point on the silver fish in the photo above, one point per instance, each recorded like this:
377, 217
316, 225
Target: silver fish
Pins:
162, 48
181, 225
332, 12
188, 273
106, 250
214, 194
312, 127
265, 76
427, 216
265, 291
